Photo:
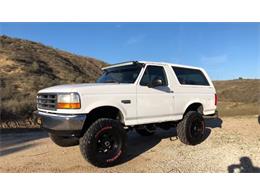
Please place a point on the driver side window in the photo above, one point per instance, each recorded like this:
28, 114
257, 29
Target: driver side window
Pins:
153, 72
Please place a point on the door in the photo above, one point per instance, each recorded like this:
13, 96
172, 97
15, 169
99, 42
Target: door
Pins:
154, 104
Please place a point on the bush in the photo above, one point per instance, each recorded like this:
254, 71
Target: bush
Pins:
34, 68
18, 108
7, 92
79, 80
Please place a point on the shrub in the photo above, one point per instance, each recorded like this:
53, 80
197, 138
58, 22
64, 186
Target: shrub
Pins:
79, 80
19, 108
34, 68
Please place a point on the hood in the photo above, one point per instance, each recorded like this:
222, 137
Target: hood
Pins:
91, 88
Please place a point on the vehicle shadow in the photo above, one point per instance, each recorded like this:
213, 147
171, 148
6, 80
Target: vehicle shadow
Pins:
18, 139
10, 150
138, 145
214, 122
245, 166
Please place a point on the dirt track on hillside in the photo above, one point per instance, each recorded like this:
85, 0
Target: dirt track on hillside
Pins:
232, 145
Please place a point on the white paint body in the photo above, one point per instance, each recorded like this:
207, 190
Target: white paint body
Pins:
148, 105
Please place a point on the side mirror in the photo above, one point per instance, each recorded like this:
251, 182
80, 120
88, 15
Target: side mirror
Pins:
156, 82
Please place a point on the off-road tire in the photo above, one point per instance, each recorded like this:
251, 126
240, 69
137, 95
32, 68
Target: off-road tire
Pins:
64, 141
200, 110
184, 128
144, 132
90, 143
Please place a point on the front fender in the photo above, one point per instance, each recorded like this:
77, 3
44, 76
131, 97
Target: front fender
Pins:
98, 104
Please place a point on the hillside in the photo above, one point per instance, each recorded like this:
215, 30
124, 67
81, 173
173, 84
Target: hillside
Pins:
238, 97
245, 90
26, 67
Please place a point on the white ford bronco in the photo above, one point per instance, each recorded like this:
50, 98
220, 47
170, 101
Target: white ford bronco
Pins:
137, 95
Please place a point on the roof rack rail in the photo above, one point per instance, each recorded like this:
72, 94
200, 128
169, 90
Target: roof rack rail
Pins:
124, 62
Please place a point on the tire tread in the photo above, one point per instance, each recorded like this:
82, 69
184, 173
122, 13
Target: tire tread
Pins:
85, 141
182, 128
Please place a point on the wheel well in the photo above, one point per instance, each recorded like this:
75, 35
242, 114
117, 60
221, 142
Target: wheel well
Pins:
195, 107
102, 112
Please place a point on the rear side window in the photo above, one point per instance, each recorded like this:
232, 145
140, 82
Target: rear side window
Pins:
188, 76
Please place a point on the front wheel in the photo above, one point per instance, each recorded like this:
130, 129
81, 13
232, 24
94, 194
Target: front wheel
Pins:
191, 130
104, 143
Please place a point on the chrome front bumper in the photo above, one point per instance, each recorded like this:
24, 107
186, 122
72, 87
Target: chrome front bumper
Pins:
60, 122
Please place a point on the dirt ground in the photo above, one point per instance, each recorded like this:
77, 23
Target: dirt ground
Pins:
232, 145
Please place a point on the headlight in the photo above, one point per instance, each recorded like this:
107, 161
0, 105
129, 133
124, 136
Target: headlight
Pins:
68, 101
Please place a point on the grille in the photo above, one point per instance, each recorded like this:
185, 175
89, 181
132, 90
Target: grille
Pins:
47, 101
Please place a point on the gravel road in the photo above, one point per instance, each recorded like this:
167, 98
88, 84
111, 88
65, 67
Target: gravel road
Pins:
232, 145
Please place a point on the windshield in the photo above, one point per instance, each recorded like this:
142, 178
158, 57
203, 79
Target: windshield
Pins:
121, 74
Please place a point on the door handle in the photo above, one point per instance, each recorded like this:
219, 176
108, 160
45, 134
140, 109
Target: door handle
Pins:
126, 101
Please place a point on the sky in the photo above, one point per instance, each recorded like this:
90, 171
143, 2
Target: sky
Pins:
224, 50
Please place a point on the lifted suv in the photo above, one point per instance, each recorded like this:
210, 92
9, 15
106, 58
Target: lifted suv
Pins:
132, 95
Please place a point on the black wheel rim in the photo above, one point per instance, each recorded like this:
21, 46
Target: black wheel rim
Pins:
106, 143
108, 146
197, 128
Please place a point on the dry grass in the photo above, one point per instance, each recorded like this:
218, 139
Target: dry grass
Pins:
245, 90
238, 108
238, 97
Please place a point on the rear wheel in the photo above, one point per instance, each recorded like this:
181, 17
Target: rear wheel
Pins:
104, 143
191, 130
64, 141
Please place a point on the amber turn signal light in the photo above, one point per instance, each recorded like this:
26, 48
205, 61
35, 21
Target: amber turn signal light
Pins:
68, 105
